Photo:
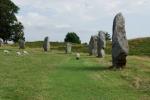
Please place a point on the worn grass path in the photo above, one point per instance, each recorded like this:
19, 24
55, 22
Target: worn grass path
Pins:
58, 76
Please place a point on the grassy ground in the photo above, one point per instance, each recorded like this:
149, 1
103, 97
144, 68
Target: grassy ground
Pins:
58, 76
140, 46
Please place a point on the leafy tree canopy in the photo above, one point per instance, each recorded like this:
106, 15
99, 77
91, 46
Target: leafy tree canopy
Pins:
10, 27
72, 37
107, 36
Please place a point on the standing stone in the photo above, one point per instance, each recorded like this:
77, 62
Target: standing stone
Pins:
93, 45
68, 47
1, 42
101, 44
120, 47
90, 46
21, 44
46, 44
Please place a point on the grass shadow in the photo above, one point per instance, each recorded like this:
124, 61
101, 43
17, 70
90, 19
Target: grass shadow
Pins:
90, 68
61, 53
2, 49
87, 56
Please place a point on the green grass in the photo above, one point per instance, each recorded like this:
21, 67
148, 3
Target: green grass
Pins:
56, 46
140, 46
58, 76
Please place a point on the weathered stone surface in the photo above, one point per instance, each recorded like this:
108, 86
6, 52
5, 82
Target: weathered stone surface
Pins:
68, 47
93, 45
1, 42
46, 44
120, 47
101, 44
90, 45
21, 44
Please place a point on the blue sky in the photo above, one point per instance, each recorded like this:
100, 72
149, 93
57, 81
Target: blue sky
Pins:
54, 18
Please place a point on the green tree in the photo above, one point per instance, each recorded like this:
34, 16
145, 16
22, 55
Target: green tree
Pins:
10, 27
107, 36
72, 37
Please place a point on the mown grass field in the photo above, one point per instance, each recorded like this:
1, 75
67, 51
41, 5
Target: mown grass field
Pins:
59, 76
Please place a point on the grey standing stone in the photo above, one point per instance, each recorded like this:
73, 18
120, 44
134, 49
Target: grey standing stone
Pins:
101, 44
120, 47
90, 46
21, 44
1, 42
46, 44
93, 45
68, 47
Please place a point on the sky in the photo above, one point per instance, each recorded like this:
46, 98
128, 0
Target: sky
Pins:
55, 18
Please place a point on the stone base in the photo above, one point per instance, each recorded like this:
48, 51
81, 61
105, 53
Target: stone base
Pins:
94, 52
120, 61
101, 54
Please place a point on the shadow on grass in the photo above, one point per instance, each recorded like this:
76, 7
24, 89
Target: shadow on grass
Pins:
60, 53
89, 57
94, 68
2, 49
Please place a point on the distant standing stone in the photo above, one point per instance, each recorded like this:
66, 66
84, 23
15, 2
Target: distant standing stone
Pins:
68, 47
46, 44
101, 44
1, 42
120, 47
93, 45
21, 44
90, 46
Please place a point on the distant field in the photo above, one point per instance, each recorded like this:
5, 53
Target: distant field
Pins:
140, 46
58, 76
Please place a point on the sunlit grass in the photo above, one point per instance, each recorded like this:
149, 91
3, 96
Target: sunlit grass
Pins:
59, 76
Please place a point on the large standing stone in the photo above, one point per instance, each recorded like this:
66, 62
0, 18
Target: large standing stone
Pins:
1, 42
21, 44
101, 44
46, 44
93, 45
119, 42
68, 47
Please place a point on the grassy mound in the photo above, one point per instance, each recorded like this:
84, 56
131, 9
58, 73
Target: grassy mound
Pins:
140, 46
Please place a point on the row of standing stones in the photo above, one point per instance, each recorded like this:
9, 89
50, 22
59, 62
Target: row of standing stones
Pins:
46, 45
21, 43
97, 43
120, 46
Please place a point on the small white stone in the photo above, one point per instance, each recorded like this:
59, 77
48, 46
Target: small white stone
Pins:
18, 53
77, 55
25, 52
6, 51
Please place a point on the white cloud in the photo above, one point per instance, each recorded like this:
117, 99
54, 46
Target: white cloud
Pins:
63, 26
82, 16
